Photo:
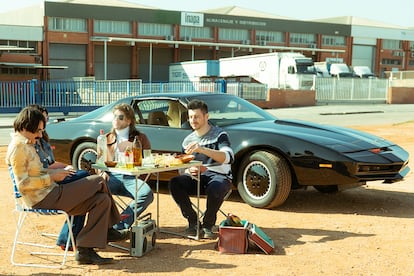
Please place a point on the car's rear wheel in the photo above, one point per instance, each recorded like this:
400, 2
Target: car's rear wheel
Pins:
84, 156
264, 180
327, 189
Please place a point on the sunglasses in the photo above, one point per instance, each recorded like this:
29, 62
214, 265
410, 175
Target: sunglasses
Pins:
119, 117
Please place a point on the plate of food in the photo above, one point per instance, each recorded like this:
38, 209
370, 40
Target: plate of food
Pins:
110, 164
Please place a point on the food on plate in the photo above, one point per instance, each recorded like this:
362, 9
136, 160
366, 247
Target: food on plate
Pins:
184, 158
110, 163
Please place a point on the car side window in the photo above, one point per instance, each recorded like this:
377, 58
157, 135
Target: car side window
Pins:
162, 112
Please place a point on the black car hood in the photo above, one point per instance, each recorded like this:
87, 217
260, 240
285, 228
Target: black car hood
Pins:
337, 138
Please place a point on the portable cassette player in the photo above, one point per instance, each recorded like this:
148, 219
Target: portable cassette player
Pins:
143, 236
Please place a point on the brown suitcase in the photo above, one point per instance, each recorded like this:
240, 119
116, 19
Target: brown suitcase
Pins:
233, 239
259, 238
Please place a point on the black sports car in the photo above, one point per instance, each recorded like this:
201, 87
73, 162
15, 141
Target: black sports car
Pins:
272, 156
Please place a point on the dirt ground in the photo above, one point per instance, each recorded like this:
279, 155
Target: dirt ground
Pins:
362, 231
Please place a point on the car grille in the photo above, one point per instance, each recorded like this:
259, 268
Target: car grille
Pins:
382, 171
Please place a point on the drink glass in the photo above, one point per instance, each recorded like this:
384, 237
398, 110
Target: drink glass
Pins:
147, 160
147, 153
120, 159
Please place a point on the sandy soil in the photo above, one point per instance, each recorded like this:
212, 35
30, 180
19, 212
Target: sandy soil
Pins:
362, 231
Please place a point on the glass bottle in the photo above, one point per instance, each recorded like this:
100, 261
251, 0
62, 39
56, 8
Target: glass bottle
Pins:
137, 151
101, 148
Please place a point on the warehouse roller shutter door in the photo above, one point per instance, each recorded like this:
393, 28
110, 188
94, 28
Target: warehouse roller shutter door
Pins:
73, 56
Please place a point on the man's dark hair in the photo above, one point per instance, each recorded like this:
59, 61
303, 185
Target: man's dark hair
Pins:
29, 119
39, 107
43, 110
198, 104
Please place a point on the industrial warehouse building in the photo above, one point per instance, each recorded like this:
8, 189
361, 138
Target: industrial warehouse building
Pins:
113, 39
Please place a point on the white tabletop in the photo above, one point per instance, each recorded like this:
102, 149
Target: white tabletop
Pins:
146, 169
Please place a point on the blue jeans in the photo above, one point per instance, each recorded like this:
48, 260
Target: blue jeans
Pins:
122, 185
212, 184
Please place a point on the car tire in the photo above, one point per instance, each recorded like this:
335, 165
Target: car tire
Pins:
327, 189
264, 180
84, 156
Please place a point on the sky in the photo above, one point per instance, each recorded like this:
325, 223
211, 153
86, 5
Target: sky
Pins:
397, 12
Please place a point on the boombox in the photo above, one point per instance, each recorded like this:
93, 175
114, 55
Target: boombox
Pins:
143, 236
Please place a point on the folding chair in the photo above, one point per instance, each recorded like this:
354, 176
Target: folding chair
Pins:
221, 211
23, 211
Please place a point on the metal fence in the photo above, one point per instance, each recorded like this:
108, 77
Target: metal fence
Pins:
65, 96
86, 95
351, 90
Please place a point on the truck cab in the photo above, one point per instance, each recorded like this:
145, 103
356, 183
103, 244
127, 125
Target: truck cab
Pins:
340, 70
297, 72
363, 72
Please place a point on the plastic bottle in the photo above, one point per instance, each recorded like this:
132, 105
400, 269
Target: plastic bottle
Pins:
137, 151
101, 148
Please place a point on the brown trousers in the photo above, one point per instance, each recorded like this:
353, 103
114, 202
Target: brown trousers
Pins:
87, 196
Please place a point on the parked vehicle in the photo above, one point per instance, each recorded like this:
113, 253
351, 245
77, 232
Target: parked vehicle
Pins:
337, 70
193, 70
276, 70
363, 72
272, 156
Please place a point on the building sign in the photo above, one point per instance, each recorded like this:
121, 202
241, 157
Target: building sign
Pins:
236, 21
192, 19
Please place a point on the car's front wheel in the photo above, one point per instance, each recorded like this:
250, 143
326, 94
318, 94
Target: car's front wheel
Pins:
84, 156
264, 180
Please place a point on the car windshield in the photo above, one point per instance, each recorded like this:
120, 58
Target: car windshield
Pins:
227, 110
103, 113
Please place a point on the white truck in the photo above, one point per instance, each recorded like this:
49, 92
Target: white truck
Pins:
363, 72
193, 70
276, 70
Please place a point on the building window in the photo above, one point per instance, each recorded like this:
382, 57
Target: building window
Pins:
196, 32
389, 61
297, 38
333, 40
263, 37
234, 34
152, 29
22, 44
112, 27
17, 71
67, 24
391, 44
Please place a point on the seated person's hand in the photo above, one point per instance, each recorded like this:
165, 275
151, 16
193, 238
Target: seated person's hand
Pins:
69, 168
194, 170
59, 174
57, 165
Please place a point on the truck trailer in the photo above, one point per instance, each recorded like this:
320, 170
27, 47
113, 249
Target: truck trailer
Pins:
276, 70
193, 70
